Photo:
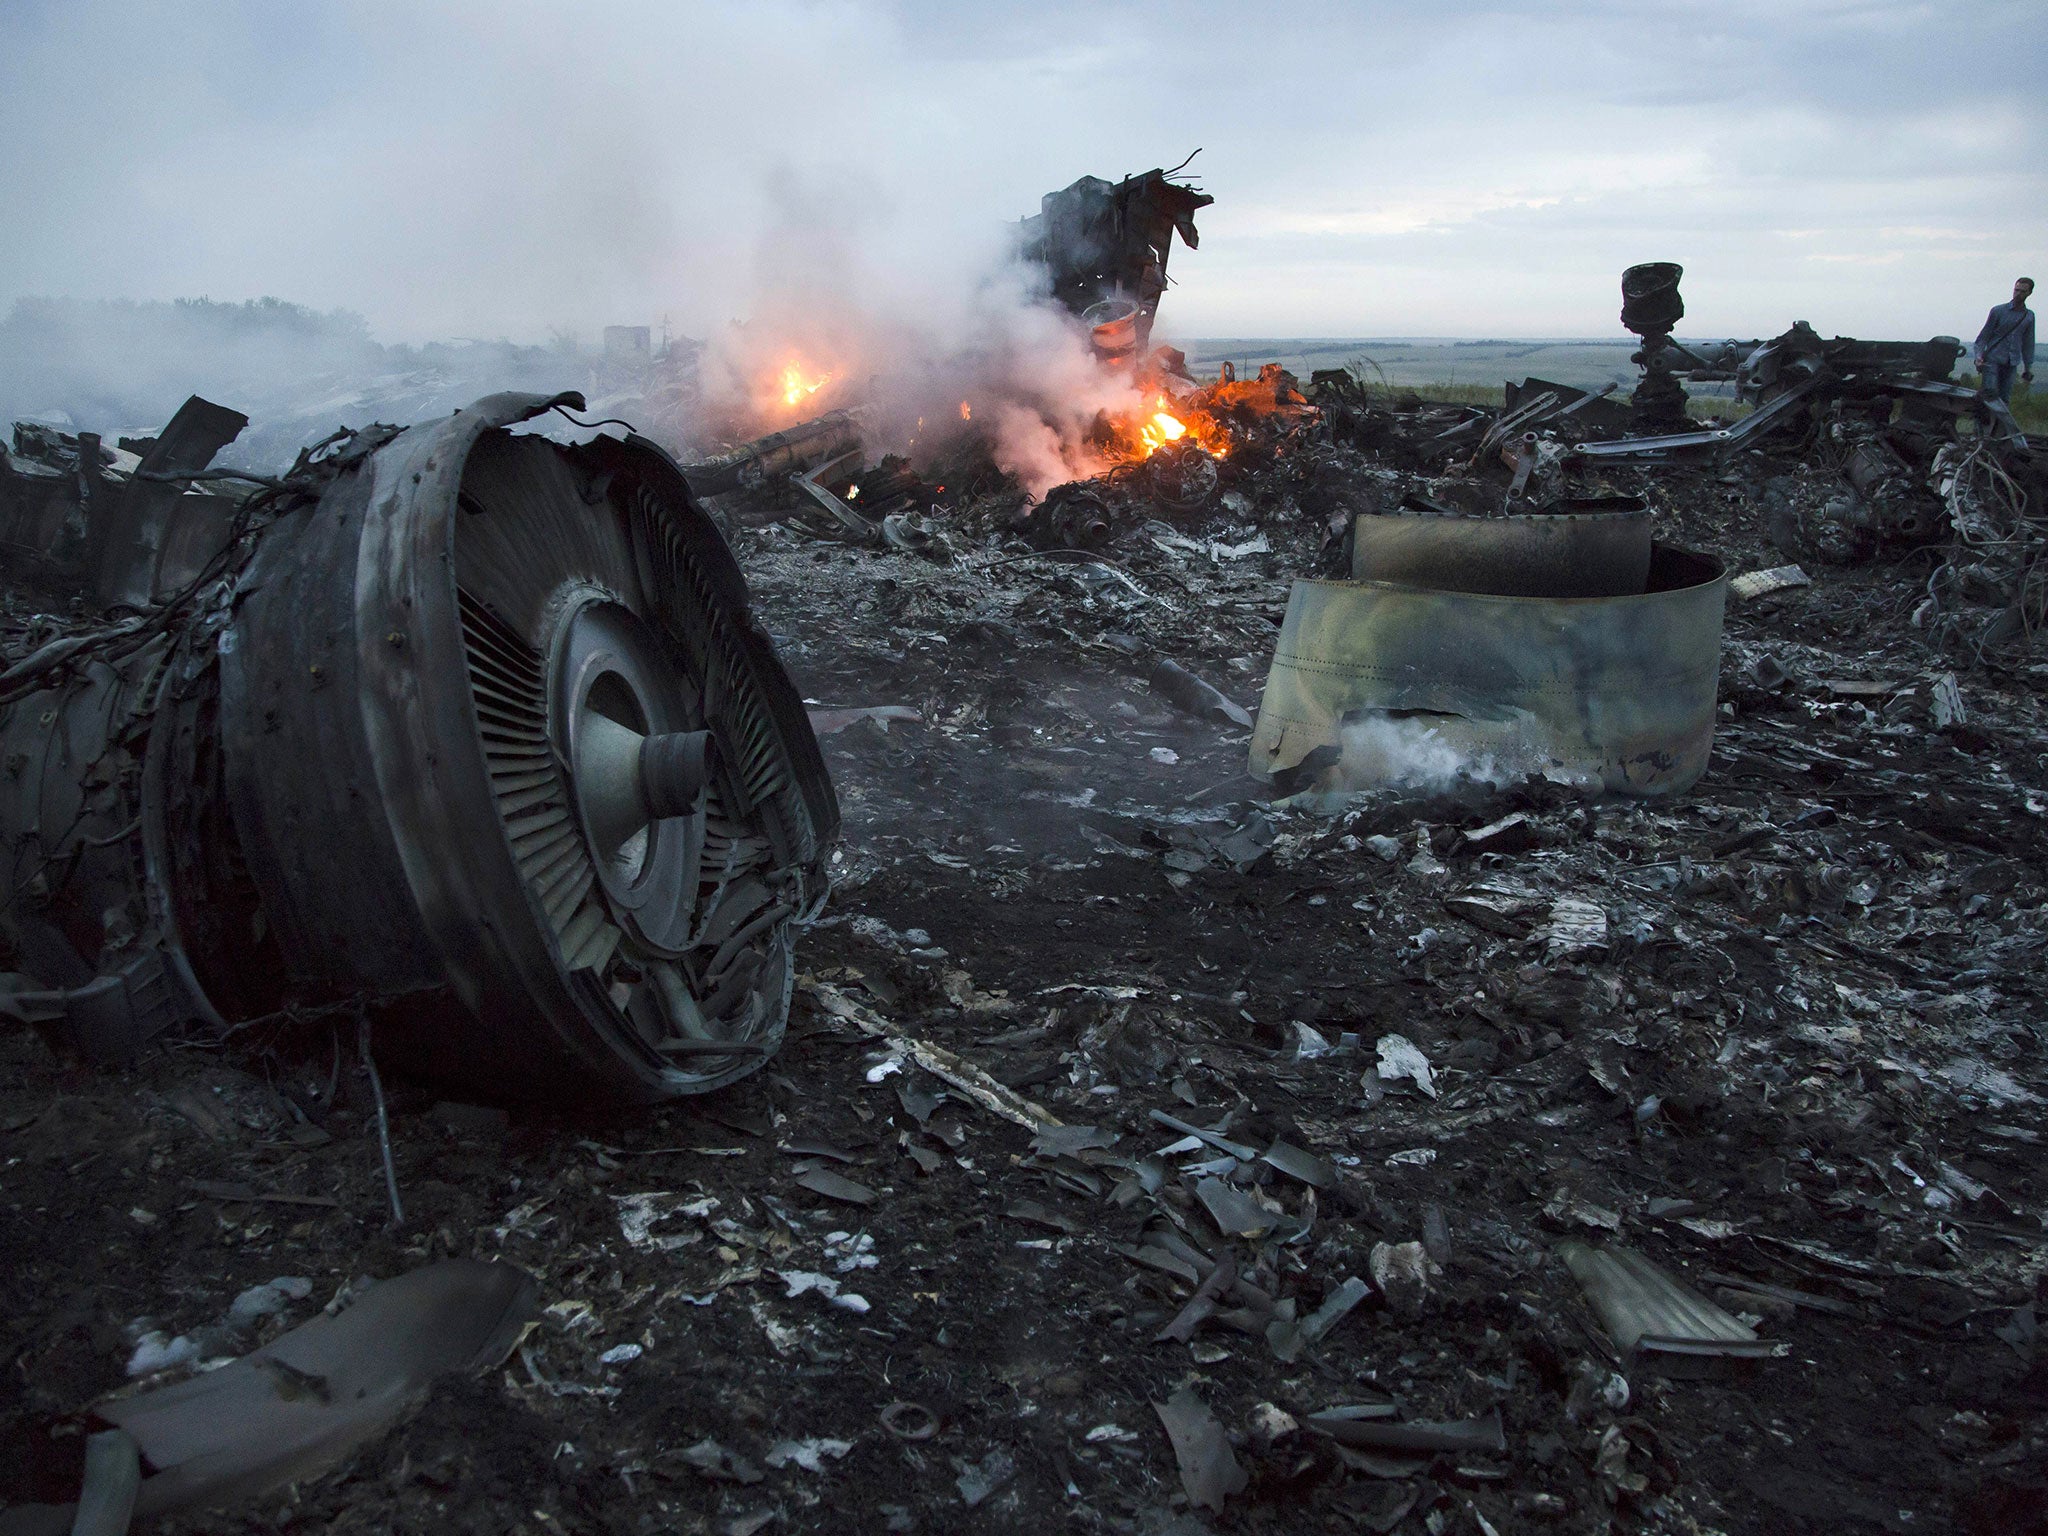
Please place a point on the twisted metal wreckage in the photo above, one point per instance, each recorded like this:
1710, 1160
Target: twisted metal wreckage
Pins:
472, 733
1528, 629
1549, 636
451, 726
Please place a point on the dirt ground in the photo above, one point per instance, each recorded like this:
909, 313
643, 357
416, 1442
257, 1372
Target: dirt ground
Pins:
1799, 1065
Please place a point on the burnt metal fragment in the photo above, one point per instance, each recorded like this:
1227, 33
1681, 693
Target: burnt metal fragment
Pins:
292, 1409
1209, 1470
1183, 476
1076, 515
1371, 1430
1104, 247
1902, 389
1648, 1314
153, 538
791, 451
1650, 307
133, 524
1187, 692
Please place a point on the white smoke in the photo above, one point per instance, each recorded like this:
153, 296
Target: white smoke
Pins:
782, 179
1439, 753
941, 333
1410, 752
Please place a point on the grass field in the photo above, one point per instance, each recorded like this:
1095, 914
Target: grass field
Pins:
1411, 363
1474, 372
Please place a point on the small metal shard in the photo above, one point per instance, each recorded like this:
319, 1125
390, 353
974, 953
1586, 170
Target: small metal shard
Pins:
832, 1186
1483, 1434
1235, 1213
1755, 584
1208, 1467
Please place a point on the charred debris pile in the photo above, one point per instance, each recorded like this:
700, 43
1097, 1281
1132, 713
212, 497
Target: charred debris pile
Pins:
1390, 965
1853, 451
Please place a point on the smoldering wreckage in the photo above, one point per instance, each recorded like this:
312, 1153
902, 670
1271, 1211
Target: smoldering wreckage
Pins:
1567, 1057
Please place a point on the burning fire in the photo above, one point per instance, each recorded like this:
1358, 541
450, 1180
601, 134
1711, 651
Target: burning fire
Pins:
796, 388
1154, 432
1161, 430
966, 411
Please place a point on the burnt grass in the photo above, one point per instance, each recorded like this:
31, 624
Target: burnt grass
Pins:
1808, 1054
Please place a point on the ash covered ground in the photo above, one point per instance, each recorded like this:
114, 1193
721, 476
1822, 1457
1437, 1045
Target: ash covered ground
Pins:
1780, 1035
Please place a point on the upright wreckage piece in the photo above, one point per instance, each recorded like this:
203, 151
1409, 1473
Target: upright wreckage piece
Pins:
1650, 307
1104, 247
465, 729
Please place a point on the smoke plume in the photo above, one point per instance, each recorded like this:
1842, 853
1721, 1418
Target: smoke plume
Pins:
493, 184
942, 334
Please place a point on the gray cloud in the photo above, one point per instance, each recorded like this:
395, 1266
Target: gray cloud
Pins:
500, 169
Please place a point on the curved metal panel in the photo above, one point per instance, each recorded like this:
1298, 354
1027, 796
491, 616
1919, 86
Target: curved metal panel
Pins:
1538, 554
1611, 692
301, 781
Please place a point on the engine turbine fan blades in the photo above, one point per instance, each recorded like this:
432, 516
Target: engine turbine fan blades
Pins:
603, 796
487, 743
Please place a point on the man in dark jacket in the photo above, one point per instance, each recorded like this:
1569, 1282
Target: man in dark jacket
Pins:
2006, 344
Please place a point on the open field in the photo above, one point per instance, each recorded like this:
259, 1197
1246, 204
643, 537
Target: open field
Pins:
1413, 362
1472, 372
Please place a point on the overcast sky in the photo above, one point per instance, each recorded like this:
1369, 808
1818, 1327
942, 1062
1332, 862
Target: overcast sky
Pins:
452, 169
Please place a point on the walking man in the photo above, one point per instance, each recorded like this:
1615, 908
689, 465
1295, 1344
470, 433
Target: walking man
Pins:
2006, 344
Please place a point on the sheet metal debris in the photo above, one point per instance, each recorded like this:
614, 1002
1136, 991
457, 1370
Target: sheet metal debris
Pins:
1648, 1314
1401, 1060
719, 1463
1576, 926
835, 1186
1341, 1302
1235, 1213
828, 722
1209, 1470
302, 1403
1291, 1160
810, 1454
1779, 578
1376, 1429
1185, 691
112, 1483
978, 1480
1203, 1304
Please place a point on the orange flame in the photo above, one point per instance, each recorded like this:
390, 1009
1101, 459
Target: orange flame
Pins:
1161, 430
966, 412
796, 388
1160, 427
